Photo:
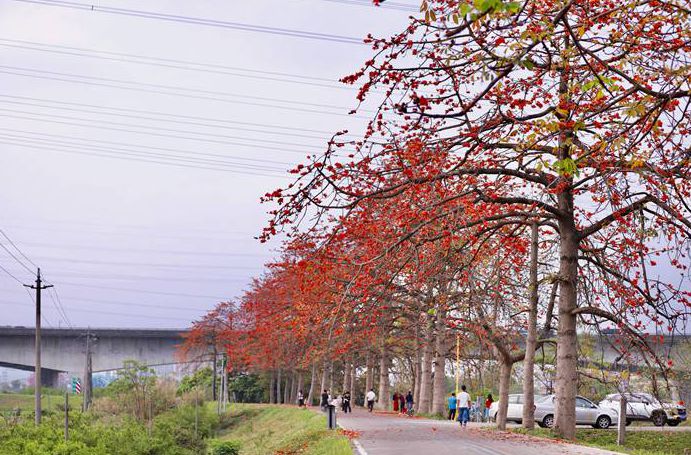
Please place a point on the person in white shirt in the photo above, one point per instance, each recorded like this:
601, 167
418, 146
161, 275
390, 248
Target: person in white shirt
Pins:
371, 398
463, 407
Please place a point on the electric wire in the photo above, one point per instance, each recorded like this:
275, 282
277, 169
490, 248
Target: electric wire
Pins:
61, 105
254, 74
167, 132
199, 21
19, 140
110, 313
119, 156
56, 302
81, 142
168, 90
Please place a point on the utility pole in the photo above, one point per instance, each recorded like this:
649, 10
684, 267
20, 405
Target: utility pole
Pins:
37, 363
86, 387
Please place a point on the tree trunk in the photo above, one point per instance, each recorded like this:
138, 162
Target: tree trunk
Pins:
384, 398
425, 402
331, 378
369, 378
439, 366
417, 372
286, 391
504, 384
346, 375
531, 341
313, 380
278, 387
325, 377
353, 378
567, 345
272, 387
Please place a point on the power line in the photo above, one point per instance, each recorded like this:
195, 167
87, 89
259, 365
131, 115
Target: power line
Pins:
144, 160
18, 250
282, 130
135, 315
383, 5
171, 90
35, 135
176, 64
147, 264
140, 291
165, 132
11, 276
199, 21
57, 304
23, 140
146, 250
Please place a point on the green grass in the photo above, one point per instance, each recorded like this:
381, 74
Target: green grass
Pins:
11, 401
637, 442
270, 429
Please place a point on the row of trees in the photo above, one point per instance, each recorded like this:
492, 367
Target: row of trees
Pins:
525, 177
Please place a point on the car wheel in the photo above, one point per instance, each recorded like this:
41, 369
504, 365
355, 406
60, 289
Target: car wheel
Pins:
548, 421
628, 422
659, 418
603, 422
673, 423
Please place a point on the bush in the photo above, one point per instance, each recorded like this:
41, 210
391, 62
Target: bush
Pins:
225, 448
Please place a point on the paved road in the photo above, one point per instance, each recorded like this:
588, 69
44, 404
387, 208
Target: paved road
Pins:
382, 434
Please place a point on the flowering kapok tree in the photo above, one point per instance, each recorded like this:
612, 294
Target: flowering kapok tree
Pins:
569, 113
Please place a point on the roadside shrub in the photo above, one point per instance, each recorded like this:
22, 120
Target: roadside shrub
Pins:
225, 448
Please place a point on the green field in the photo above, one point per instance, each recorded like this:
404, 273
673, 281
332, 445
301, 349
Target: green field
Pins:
262, 429
24, 402
637, 442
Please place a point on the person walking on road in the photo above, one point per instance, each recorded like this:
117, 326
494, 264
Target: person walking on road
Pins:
488, 404
395, 402
452, 406
371, 397
346, 403
401, 404
325, 400
463, 407
409, 402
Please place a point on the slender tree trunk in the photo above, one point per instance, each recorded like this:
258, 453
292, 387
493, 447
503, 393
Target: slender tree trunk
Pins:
346, 375
369, 378
331, 378
286, 391
325, 377
313, 380
272, 387
353, 385
384, 363
531, 341
504, 384
425, 403
417, 372
439, 366
278, 387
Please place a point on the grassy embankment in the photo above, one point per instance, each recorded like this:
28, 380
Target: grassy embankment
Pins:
25, 402
264, 429
637, 442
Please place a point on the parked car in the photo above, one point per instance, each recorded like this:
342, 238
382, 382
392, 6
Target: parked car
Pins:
587, 413
645, 407
514, 412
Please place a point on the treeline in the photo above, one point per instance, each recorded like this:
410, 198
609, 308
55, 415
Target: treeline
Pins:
525, 177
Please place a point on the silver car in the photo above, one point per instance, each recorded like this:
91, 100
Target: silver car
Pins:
514, 412
587, 413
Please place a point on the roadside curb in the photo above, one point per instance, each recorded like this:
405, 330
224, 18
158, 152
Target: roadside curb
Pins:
359, 449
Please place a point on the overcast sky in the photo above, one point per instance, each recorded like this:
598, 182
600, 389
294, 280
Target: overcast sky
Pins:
134, 150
